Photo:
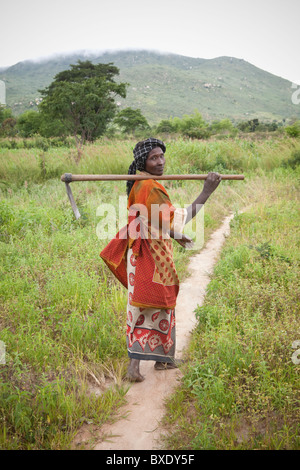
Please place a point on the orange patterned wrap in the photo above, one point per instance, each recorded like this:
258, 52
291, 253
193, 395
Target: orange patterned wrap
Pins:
156, 281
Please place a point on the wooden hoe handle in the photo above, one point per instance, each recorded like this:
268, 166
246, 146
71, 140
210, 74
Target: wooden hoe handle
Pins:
68, 177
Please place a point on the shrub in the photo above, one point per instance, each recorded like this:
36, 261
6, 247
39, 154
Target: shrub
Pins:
293, 130
294, 161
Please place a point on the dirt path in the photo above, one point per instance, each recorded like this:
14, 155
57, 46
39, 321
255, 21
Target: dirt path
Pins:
138, 426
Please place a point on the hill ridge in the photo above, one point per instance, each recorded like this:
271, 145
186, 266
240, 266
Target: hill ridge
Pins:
166, 84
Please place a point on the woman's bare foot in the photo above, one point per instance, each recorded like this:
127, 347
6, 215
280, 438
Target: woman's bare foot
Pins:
133, 371
168, 365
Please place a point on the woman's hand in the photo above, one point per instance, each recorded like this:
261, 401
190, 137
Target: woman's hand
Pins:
185, 241
182, 239
211, 183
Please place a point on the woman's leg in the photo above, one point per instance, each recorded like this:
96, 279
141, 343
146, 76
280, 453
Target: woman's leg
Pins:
165, 365
133, 371
169, 365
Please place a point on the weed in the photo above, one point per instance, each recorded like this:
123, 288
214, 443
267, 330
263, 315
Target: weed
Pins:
62, 314
240, 368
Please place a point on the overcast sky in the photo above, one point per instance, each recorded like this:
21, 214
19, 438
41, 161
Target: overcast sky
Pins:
265, 33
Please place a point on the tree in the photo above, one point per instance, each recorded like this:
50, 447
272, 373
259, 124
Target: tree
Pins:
7, 122
194, 126
166, 126
82, 98
8, 127
84, 70
221, 127
29, 123
248, 126
51, 127
4, 113
131, 120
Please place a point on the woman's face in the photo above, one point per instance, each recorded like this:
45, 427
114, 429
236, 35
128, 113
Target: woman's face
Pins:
155, 162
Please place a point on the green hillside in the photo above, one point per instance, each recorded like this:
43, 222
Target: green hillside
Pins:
166, 85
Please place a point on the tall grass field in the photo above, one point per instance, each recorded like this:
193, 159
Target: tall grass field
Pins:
63, 314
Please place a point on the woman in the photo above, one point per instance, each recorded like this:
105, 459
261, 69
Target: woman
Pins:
141, 257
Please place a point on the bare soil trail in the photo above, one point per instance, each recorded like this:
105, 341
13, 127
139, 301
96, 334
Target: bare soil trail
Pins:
138, 425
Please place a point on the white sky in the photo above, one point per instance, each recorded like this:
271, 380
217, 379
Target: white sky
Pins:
265, 33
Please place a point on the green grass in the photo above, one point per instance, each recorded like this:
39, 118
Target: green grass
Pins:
56, 320
62, 314
240, 389
21, 166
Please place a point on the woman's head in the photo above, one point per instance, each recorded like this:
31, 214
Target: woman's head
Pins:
141, 152
155, 161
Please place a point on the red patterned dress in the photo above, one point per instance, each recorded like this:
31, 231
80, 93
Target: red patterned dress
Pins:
141, 257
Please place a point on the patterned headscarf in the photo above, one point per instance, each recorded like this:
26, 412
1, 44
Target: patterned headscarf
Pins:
140, 153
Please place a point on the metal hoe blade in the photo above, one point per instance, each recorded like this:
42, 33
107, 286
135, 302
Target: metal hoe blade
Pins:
73, 203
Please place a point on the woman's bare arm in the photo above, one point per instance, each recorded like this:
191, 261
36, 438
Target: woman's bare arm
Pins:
211, 183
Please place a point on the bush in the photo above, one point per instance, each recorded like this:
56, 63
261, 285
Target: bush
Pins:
294, 161
166, 126
28, 123
293, 130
